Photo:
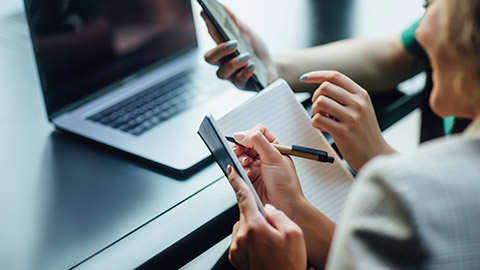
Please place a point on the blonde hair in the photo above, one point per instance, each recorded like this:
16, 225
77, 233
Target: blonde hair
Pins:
462, 36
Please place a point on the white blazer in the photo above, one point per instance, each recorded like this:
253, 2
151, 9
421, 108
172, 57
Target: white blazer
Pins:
416, 211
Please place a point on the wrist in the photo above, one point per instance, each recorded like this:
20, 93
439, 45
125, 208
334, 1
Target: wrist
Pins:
318, 231
385, 149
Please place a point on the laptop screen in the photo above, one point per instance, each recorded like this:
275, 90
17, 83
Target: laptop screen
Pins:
84, 45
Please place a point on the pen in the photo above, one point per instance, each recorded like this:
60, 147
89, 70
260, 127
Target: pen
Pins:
298, 151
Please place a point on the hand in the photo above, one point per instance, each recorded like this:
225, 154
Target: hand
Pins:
272, 174
274, 177
238, 69
344, 109
258, 243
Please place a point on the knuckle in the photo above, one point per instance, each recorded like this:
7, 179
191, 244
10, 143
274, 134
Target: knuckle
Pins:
235, 226
350, 117
292, 231
321, 101
232, 253
357, 104
256, 135
241, 79
316, 123
355, 117
324, 88
259, 127
241, 239
208, 56
241, 195
221, 73
334, 76
363, 93
252, 230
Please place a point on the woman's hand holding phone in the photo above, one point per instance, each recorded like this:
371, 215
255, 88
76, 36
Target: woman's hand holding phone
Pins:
237, 69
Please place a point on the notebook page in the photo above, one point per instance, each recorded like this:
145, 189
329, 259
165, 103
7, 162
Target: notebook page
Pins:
325, 185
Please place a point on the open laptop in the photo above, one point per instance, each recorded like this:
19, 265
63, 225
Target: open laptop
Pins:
128, 74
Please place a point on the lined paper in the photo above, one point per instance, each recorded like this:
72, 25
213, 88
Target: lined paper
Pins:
325, 185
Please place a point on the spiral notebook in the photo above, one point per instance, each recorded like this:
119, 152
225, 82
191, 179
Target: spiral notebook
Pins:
325, 185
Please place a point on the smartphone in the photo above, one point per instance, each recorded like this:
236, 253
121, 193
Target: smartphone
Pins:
229, 31
223, 154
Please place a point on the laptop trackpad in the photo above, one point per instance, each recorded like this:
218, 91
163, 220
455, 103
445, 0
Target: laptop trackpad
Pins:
175, 143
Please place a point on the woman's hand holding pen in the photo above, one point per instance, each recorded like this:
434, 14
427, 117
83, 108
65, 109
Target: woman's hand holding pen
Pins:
344, 109
238, 69
274, 177
272, 174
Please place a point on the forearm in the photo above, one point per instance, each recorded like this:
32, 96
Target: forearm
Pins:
318, 232
375, 64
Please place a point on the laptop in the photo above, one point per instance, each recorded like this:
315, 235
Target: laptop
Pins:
128, 74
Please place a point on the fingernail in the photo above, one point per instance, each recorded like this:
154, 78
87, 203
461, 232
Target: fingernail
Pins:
248, 171
239, 136
231, 45
244, 57
270, 207
229, 169
250, 66
243, 159
304, 77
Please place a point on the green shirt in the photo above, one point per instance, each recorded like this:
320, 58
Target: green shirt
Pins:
410, 41
413, 47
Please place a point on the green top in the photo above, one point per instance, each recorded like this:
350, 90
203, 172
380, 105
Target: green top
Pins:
413, 47
410, 41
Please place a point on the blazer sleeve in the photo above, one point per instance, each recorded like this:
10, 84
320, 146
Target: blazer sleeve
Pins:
376, 230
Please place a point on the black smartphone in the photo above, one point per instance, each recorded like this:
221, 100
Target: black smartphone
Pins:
224, 155
229, 31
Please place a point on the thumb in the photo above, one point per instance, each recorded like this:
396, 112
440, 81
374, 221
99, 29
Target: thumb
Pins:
246, 200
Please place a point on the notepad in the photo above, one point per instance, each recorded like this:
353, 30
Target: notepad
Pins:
325, 185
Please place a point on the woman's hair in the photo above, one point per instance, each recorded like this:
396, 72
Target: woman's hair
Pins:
462, 34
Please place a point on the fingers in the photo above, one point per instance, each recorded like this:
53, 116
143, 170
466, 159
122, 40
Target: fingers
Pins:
334, 77
240, 150
229, 68
224, 49
246, 201
242, 77
334, 92
325, 123
260, 138
245, 160
254, 171
325, 105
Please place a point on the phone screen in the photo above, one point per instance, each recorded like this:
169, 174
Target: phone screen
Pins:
229, 30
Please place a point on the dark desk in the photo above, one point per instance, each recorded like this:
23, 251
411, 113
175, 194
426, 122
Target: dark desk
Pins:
67, 202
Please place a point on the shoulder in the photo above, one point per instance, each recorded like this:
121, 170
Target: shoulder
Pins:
437, 188
436, 162
413, 210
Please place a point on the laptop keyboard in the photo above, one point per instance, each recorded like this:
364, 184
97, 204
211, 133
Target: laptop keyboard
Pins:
149, 108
